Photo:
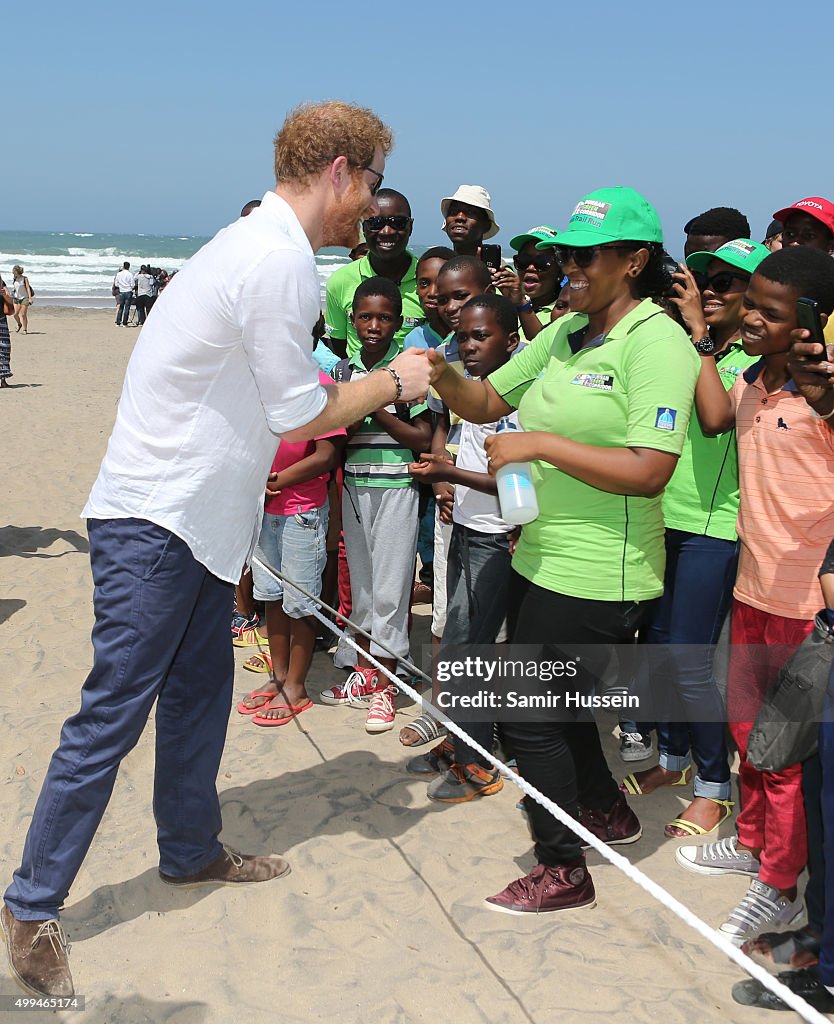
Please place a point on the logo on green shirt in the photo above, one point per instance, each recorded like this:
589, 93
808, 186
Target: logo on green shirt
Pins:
666, 419
597, 381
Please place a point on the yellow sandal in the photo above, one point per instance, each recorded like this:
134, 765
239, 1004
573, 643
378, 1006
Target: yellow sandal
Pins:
631, 785
691, 829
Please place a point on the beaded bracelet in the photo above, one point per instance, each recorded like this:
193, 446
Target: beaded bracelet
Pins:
396, 379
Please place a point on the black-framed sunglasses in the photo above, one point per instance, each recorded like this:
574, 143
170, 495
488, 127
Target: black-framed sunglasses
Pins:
541, 261
395, 221
722, 281
377, 185
584, 256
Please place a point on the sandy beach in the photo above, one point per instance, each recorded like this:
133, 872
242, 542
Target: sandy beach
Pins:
382, 918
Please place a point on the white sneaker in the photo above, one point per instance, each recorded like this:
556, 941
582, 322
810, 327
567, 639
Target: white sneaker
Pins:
382, 713
635, 746
761, 906
719, 858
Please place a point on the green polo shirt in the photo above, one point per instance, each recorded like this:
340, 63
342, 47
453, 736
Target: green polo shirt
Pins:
702, 496
543, 315
372, 457
341, 285
634, 390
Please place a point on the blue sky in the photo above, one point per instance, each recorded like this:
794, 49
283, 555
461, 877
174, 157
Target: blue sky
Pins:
160, 119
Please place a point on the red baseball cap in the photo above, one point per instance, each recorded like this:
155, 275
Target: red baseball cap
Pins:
815, 206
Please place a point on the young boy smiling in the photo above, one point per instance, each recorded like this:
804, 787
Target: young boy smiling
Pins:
379, 508
786, 520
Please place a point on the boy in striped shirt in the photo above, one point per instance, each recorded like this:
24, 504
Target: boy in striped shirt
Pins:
379, 508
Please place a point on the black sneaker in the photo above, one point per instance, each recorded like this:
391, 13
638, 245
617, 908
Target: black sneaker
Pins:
804, 983
464, 782
438, 760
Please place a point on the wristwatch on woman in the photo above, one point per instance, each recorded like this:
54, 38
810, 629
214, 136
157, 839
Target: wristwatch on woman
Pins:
705, 347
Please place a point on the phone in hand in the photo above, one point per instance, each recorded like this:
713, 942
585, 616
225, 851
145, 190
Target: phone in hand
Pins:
808, 316
491, 255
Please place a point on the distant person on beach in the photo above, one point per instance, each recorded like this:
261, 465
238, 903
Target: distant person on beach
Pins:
125, 282
144, 288
468, 219
5, 339
23, 295
387, 234
223, 367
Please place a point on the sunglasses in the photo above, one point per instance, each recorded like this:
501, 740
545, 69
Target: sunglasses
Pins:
720, 282
584, 256
379, 178
397, 222
541, 261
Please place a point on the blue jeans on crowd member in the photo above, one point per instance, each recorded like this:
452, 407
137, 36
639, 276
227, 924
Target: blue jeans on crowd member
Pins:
123, 312
477, 581
698, 590
826, 753
295, 545
161, 633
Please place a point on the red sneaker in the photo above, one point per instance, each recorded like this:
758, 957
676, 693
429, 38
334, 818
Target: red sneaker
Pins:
547, 890
617, 827
357, 690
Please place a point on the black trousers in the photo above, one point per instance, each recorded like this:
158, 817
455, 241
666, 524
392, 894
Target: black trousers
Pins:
564, 759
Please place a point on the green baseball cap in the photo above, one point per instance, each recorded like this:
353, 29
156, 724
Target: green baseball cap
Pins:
742, 253
538, 234
610, 215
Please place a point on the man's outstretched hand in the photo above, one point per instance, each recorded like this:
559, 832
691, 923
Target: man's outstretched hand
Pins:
415, 373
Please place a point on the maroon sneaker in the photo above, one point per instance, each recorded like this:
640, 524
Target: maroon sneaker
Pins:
547, 890
617, 827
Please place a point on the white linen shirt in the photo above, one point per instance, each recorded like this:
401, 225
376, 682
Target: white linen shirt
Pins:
124, 281
223, 366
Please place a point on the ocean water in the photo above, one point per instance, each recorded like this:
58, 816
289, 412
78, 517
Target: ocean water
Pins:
76, 268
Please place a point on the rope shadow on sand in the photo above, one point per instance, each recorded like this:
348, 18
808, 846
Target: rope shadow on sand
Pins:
31, 541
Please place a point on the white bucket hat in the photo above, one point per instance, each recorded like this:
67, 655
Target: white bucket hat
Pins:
473, 195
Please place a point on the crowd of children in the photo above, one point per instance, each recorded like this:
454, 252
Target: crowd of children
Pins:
741, 529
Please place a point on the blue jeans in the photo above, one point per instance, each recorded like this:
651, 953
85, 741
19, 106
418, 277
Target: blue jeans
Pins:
161, 633
698, 589
477, 578
123, 312
296, 545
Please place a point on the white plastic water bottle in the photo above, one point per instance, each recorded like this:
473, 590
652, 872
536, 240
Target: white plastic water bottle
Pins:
516, 493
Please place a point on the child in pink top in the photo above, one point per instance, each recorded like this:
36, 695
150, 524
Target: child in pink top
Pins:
293, 541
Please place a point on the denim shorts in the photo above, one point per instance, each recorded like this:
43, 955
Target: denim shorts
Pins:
295, 545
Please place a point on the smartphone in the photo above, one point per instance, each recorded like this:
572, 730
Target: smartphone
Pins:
491, 255
808, 316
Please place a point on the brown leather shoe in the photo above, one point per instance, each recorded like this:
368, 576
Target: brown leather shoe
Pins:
231, 868
421, 594
547, 890
617, 827
38, 955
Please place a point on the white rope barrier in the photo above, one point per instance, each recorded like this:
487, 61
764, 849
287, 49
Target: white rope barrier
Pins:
795, 1002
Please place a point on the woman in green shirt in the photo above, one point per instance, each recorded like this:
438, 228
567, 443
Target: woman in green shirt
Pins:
604, 396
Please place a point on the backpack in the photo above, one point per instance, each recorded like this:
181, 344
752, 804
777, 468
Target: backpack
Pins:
786, 729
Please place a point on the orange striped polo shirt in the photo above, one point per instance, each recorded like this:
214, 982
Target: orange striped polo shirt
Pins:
786, 481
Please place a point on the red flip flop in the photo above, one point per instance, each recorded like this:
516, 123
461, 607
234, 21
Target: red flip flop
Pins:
296, 710
242, 709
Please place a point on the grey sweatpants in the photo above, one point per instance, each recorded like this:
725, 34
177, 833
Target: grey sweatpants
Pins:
380, 526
